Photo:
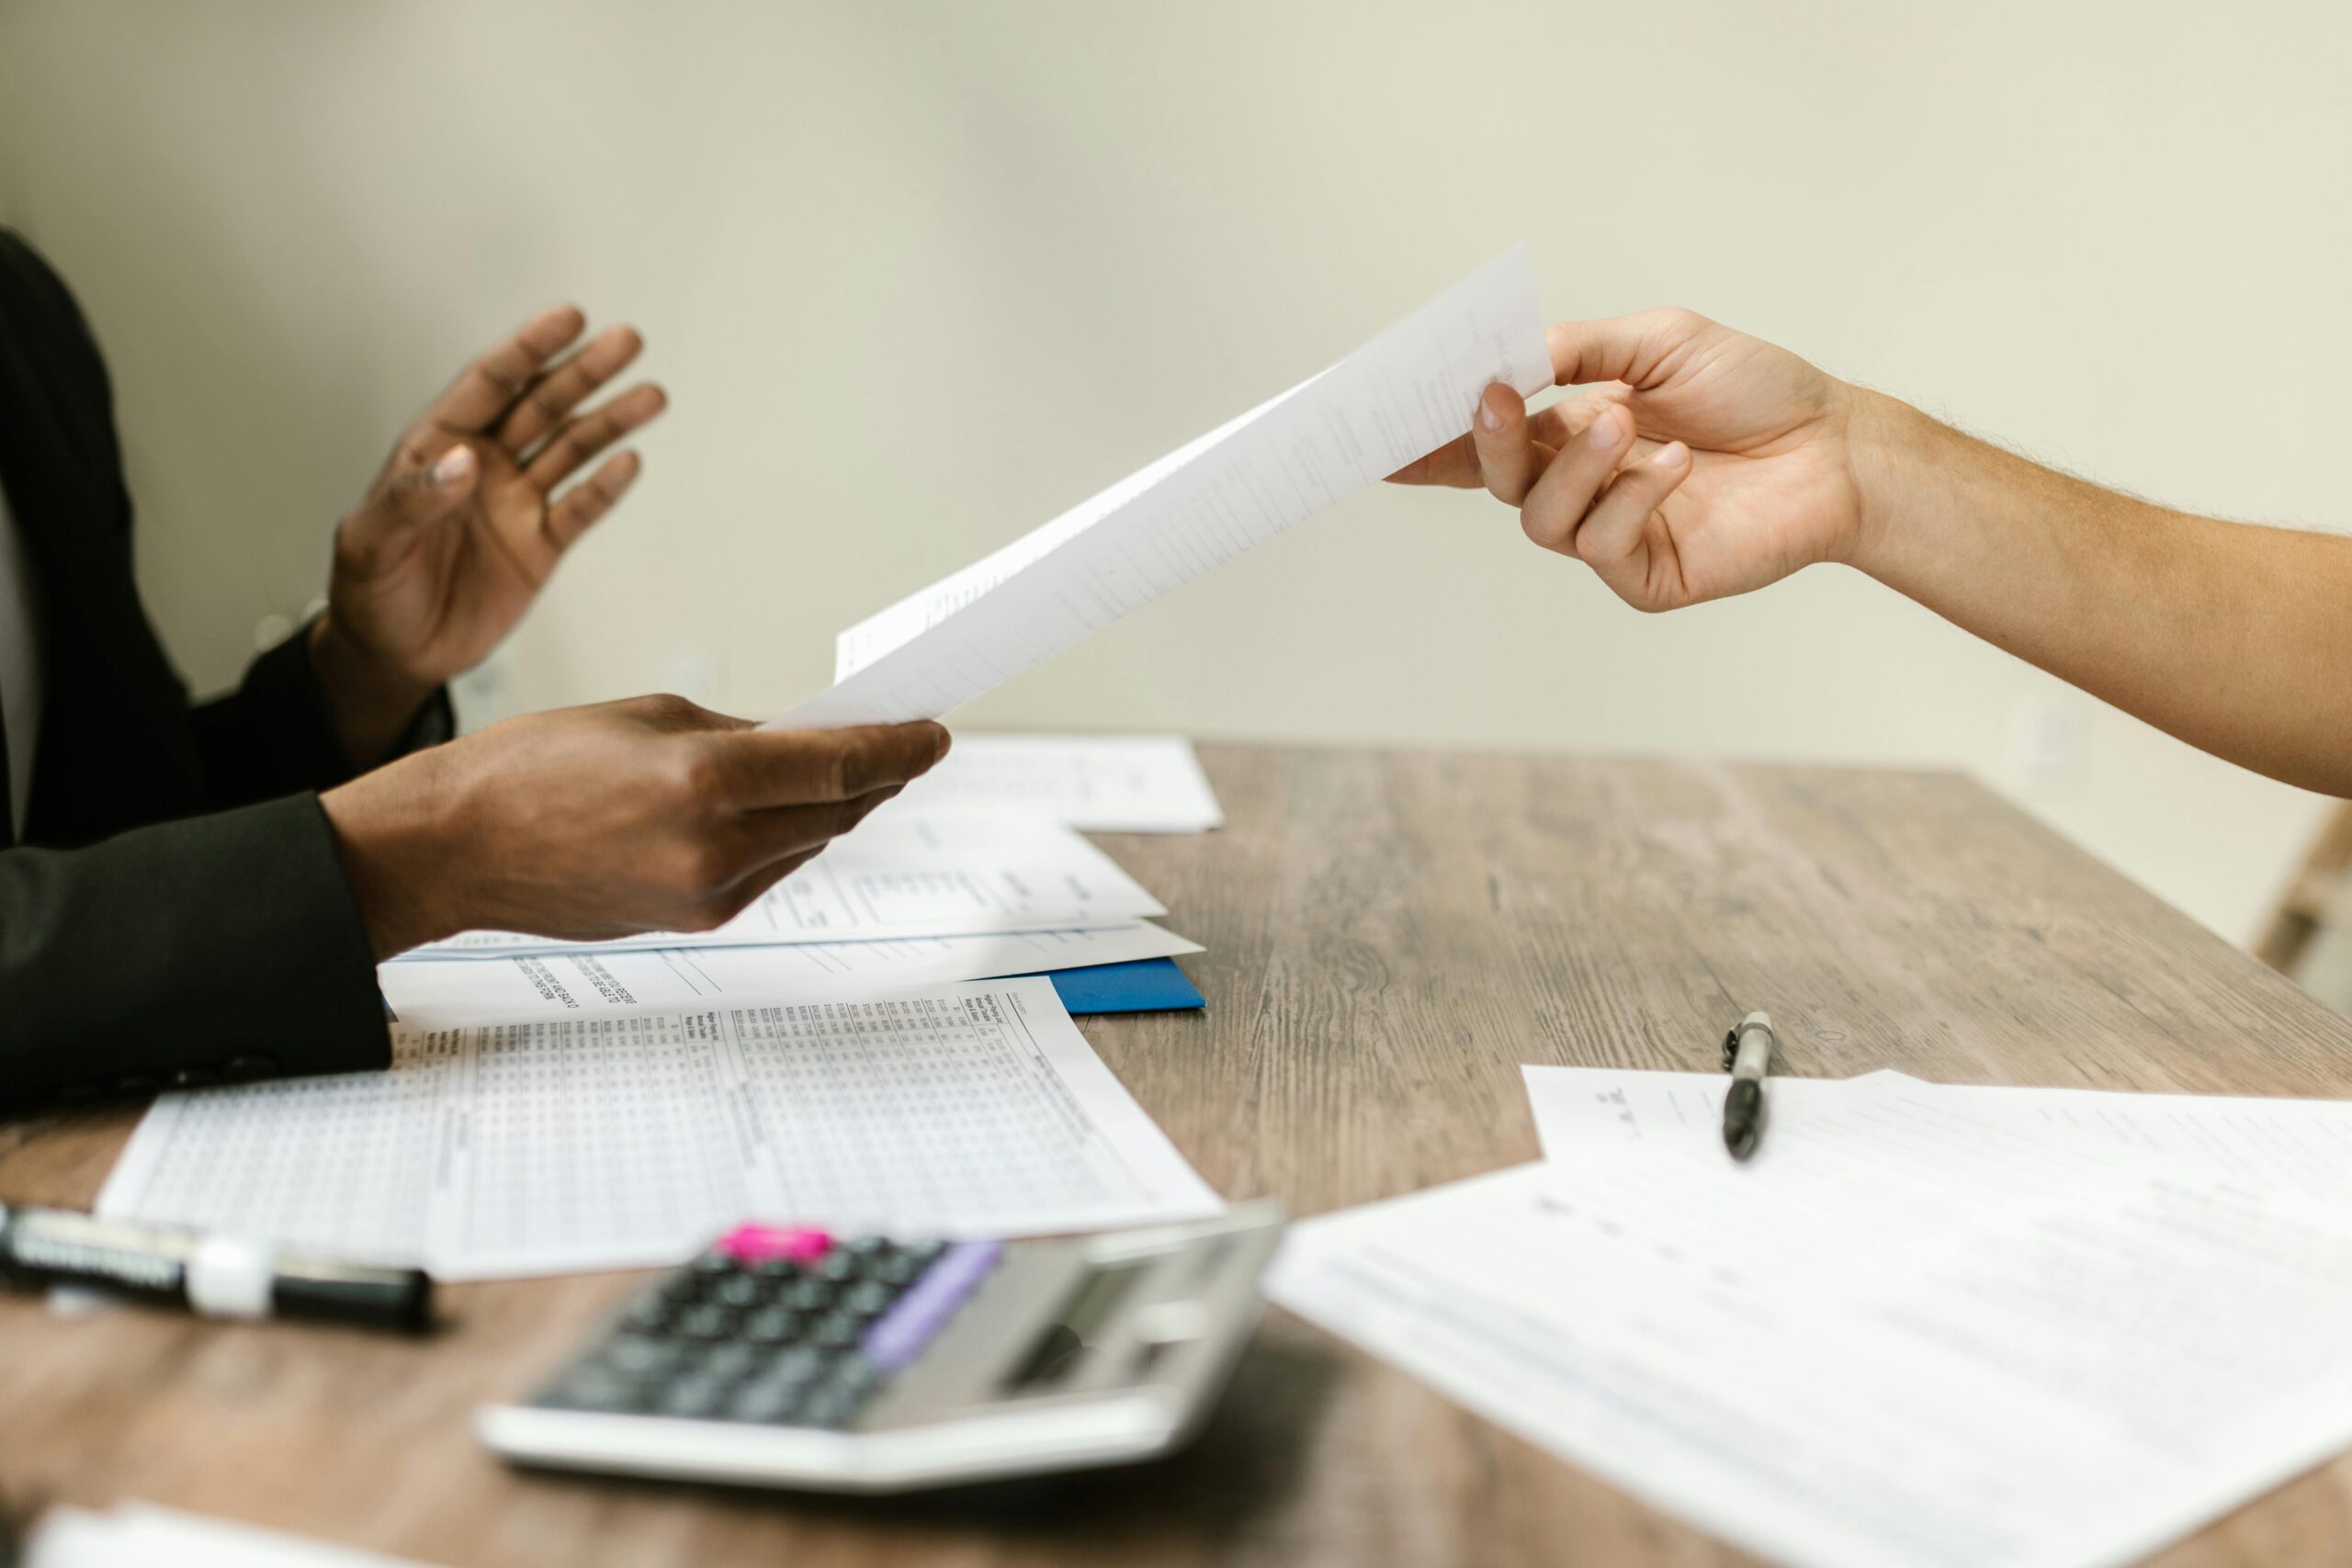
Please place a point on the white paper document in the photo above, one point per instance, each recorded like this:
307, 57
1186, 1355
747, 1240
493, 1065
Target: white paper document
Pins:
1901, 1335
456, 992
1096, 784
900, 874
140, 1535
1408, 391
629, 1140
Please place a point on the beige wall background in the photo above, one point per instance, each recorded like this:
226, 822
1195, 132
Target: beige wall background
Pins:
919, 276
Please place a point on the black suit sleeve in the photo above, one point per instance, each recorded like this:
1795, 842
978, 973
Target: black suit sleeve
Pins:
225, 947
273, 734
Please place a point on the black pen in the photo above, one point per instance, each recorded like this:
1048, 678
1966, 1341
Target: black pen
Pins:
1748, 1056
217, 1276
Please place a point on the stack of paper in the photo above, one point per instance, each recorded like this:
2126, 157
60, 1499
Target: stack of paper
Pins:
912, 898
627, 1141
1960, 1327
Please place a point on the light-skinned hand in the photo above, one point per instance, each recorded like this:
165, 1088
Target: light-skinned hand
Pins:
1702, 462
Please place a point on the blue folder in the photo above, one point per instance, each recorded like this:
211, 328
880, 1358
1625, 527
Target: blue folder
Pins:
1148, 985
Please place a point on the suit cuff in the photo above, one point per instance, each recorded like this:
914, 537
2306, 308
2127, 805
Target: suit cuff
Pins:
209, 949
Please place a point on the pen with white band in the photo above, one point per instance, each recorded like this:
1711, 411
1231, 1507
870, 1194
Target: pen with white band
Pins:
216, 1276
1748, 1056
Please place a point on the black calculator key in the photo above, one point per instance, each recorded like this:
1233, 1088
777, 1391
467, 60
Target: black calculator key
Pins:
837, 1331
800, 1364
740, 1291
712, 1264
773, 1269
922, 1254
706, 1321
896, 1268
592, 1388
828, 1407
773, 1326
867, 1297
807, 1295
693, 1398
853, 1375
763, 1401
838, 1265
726, 1362
650, 1316
634, 1355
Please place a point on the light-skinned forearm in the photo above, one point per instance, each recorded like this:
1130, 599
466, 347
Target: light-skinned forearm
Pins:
2236, 638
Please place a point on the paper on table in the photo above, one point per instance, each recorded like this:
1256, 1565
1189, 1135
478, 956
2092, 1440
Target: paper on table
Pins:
140, 1535
1877, 1343
2303, 1144
1096, 784
1409, 390
628, 1141
459, 992
901, 874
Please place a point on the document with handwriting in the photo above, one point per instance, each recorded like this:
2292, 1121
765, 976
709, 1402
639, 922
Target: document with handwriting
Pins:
630, 1141
900, 874
1888, 1341
1409, 390
455, 992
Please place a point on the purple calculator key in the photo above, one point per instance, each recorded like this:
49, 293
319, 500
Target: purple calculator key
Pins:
899, 1336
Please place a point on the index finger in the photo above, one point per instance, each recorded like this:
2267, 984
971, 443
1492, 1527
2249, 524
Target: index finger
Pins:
485, 389
793, 767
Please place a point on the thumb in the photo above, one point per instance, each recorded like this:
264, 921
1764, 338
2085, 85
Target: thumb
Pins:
421, 495
377, 534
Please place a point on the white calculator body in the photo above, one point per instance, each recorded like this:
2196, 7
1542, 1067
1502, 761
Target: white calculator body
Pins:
795, 1359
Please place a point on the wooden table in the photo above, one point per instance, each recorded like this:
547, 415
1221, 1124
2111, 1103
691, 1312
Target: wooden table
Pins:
1389, 935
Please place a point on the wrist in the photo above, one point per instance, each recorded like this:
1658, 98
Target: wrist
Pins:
392, 830
371, 700
1888, 442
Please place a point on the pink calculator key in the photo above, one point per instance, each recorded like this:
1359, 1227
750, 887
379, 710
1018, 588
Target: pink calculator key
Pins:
758, 1244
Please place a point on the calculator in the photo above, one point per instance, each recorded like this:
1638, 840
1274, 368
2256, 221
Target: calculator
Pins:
790, 1357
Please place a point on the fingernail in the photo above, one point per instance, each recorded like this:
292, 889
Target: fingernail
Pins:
453, 464
1608, 430
1490, 418
1672, 456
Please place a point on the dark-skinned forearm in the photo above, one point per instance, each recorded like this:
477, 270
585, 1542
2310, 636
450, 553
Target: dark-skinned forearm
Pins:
2233, 637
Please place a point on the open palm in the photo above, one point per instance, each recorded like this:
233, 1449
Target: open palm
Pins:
463, 526
1735, 471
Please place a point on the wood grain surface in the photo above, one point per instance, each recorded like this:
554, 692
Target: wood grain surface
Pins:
1389, 935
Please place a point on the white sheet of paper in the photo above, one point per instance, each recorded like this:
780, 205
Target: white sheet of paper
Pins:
459, 992
141, 1535
1406, 392
900, 874
1883, 1341
629, 1140
1095, 784
2303, 1144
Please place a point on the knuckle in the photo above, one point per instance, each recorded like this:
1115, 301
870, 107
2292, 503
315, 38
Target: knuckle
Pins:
698, 867
853, 766
1540, 531
664, 708
693, 770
